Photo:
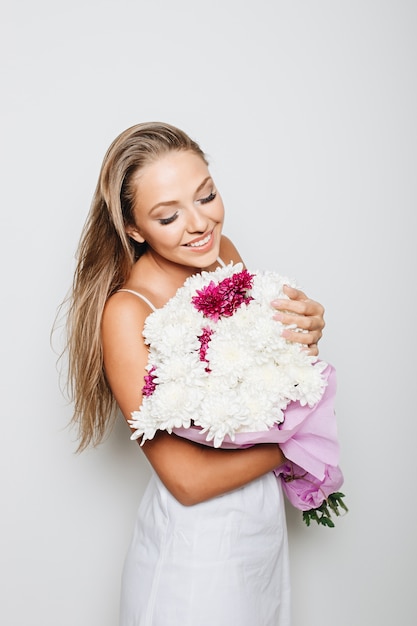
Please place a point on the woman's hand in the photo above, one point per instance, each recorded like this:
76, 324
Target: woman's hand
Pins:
305, 314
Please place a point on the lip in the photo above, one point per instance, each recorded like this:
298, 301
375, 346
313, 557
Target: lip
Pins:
203, 247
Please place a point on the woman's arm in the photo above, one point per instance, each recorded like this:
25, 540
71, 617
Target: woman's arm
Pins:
299, 309
195, 473
192, 473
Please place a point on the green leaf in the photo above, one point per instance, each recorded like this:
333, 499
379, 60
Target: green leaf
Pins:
333, 502
306, 518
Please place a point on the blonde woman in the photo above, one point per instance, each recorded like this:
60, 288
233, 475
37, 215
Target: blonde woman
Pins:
210, 543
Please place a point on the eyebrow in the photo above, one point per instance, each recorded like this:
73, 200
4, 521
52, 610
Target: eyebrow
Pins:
172, 202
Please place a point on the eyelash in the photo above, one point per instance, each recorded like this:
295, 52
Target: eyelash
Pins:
209, 198
168, 220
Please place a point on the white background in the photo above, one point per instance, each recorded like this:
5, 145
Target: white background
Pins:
307, 110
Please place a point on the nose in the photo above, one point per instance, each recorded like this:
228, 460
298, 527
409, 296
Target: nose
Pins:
197, 220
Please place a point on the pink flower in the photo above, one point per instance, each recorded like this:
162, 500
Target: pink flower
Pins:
305, 491
150, 385
222, 300
204, 341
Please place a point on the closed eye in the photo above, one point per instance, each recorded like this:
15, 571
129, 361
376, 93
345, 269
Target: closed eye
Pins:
168, 220
208, 198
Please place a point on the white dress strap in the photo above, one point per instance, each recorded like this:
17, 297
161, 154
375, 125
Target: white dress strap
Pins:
139, 295
221, 262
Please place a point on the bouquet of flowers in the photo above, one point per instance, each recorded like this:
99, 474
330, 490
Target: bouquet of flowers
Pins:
220, 373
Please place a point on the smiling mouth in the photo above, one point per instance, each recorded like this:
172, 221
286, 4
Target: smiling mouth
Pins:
201, 242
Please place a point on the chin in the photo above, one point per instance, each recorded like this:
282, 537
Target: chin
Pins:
204, 259
209, 260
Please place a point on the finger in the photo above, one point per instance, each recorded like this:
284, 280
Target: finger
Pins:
304, 322
309, 340
294, 293
299, 307
305, 338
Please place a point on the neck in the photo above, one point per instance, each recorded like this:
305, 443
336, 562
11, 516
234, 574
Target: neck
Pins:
160, 278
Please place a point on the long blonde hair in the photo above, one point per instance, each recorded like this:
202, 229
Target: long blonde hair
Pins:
104, 260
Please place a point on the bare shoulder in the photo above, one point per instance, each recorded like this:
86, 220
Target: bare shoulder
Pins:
123, 309
121, 328
229, 252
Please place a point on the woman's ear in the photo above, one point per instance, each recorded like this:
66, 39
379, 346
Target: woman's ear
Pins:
133, 233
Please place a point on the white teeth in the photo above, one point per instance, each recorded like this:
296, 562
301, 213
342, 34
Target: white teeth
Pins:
203, 242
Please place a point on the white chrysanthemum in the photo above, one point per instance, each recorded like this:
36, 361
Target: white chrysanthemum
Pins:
183, 368
181, 312
242, 319
174, 406
228, 357
310, 384
165, 331
292, 353
174, 401
220, 416
145, 425
269, 380
268, 286
262, 413
174, 338
264, 336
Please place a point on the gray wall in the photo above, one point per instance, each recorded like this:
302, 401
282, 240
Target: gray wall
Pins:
307, 110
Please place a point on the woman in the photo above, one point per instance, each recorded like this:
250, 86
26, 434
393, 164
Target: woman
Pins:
210, 544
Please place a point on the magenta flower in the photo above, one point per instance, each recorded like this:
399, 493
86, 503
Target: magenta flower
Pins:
150, 385
222, 300
204, 342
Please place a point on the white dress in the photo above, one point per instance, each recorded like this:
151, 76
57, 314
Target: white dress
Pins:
223, 562
219, 563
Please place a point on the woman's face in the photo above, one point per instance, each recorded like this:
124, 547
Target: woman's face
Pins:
178, 211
